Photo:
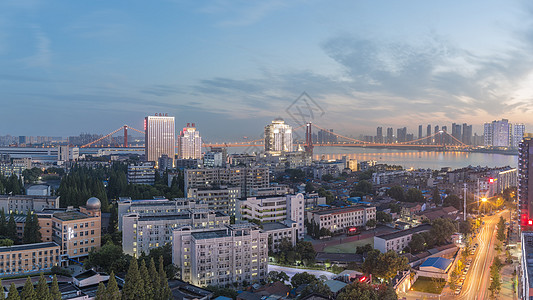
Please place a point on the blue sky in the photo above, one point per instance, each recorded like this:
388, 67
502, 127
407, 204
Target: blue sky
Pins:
232, 66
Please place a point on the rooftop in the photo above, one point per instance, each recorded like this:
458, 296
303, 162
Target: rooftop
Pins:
338, 210
397, 234
334, 285
28, 247
437, 262
274, 226
71, 215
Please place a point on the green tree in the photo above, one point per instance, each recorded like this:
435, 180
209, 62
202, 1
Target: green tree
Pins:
28, 292
417, 243
383, 217
154, 277
316, 287
133, 283
6, 242
500, 234
396, 192
371, 223
112, 292
436, 196
100, 293
414, 195
302, 278
371, 261
466, 227
11, 231
42, 291
309, 187
165, 289
452, 200
54, 289
3, 223
32, 233
442, 230
389, 264
364, 249
108, 258
13, 293
148, 288
362, 291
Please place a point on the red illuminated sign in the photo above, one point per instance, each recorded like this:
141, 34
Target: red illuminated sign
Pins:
491, 180
530, 222
352, 229
362, 279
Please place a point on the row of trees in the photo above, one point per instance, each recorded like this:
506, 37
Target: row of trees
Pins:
141, 283
288, 255
11, 185
439, 234
384, 265
314, 230
81, 184
29, 292
8, 228
412, 194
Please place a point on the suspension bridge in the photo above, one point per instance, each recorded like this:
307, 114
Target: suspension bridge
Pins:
438, 140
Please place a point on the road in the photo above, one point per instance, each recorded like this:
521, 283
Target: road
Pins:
478, 278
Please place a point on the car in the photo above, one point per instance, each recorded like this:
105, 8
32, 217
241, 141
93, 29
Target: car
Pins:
457, 292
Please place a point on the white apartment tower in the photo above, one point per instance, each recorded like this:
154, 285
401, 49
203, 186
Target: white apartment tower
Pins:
278, 137
160, 138
518, 134
190, 143
498, 134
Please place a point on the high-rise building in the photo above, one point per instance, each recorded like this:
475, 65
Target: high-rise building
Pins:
390, 136
525, 186
518, 134
420, 134
498, 133
160, 137
189, 143
429, 139
401, 134
445, 136
467, 134
278, 137
379, 135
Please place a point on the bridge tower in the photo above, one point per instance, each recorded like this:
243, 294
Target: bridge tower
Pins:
125, 136
308, 139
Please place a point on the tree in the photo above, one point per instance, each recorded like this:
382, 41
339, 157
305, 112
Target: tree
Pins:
465, 227
362, 291
363, 249
305, 251
165, 289
414, 195
302, 278
274, 276
371, 261
148, 288
42, 291
112, 292
417, 243
13, 293
436, 196
389, 264
28, 292
108, 258
133, 283
500, 234
6, 242
452, 200
442, 230
383, 217
54, 289
454, 276
11, 231
395, 208
156, 285
371, 223
362, 188
3, 223
396, 192
100, 293
309, 187
32, 233
317, 287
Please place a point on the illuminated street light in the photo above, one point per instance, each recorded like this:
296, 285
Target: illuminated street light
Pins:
483, 199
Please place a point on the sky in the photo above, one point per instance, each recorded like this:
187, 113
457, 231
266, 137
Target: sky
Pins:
231, 66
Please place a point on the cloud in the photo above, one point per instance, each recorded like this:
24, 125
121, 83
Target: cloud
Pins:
43, 53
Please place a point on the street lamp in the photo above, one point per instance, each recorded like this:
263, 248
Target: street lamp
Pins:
484, 200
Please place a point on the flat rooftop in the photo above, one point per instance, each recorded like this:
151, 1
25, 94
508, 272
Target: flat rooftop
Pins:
398, 234
71, 215
338, 210
28, 247
274, 226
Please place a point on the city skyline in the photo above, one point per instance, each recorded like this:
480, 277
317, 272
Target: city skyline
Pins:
243, 64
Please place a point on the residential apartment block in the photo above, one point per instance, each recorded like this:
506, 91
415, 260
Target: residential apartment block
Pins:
23, 204
274, 209
246, 178
221, 199
233, 254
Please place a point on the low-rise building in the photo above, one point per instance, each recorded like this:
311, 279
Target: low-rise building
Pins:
233, 254
38, 190
277, 231
23, 204
274, 209
21, 259
247, 178
398, 240
340, 219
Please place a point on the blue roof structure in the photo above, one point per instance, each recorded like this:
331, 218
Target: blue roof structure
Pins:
437, 262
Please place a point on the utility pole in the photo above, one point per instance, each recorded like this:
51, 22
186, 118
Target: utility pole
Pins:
464, 211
